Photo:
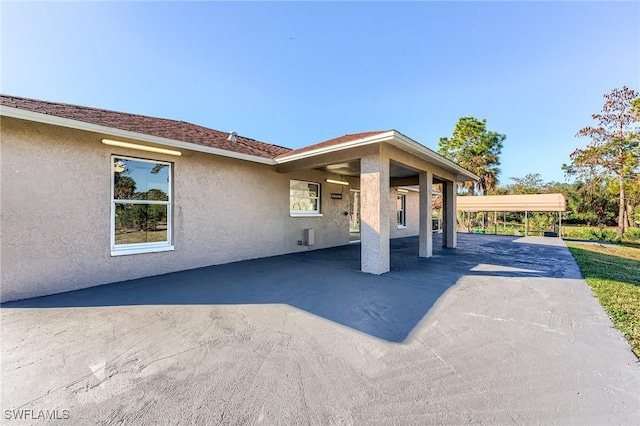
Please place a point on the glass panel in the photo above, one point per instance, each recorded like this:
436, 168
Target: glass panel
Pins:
140, 180
303, 196
140, 223
354, 211
298, 186
400, 209
303, 204
299, 193
313, 189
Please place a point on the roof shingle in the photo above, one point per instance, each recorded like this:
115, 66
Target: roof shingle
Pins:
160, 127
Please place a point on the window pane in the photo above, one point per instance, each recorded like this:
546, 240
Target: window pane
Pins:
303, 204
312, 189
304, 196
140, 223
140, 180
299, 193
298, 186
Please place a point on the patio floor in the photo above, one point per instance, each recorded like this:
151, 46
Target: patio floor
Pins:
500, 330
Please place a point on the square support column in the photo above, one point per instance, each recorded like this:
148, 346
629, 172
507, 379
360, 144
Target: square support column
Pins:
426, 214
449, 236
374, 214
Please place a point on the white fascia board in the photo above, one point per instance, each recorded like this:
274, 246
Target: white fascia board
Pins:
410, 145
380, 137
395, 138
95, 128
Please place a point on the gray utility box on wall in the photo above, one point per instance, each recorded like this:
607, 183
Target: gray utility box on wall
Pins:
309, 237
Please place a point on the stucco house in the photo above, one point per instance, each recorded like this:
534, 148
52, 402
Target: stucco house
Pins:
90, 196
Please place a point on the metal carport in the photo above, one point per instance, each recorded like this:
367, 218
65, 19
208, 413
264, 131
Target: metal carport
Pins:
515, 203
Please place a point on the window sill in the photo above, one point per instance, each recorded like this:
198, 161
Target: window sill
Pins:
401, 227
140, 250
305, 214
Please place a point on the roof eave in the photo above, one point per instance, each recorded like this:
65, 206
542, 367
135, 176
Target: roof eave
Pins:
111, 131
377, 138
394, 138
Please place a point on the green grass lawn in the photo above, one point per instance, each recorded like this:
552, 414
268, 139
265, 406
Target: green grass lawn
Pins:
613, 273
141, 237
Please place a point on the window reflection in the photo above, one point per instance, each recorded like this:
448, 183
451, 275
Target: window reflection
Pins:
141, 201
140, 223
140, 180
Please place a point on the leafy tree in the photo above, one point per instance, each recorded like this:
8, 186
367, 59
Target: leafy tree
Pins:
557, 188
475, 149
635, 104
530, 184
614, 147
123, 187
591, 202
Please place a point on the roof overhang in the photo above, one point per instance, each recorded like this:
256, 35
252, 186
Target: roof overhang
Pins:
391, 137
513, 203
394, 138
118, 133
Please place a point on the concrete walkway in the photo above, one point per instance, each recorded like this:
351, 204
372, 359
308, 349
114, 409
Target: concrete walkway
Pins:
500, 331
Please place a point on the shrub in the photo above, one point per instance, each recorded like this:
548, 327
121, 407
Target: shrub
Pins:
610, 236
632, 234
592, 234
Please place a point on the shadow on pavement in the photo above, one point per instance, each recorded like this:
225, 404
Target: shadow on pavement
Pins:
328, 283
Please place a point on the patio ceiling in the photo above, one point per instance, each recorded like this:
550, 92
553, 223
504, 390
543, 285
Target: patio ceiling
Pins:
397, 171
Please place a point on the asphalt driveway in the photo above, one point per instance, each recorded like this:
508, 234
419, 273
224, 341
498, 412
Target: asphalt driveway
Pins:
501, 330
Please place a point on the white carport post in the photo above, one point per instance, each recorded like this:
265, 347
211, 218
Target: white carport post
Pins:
449, 236
426, 214
374, 214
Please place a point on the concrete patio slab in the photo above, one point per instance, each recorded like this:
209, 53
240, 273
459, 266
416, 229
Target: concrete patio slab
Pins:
501, 330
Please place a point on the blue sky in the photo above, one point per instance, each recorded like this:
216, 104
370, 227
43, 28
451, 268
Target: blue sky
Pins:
297, 73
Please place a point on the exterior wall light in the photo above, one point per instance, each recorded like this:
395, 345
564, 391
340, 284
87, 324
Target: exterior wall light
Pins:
337, 182
402, 190
140, 147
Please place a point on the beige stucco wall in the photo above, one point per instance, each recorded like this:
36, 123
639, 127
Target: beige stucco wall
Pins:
55, 222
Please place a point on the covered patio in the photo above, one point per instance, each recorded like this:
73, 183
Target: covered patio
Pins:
375, 162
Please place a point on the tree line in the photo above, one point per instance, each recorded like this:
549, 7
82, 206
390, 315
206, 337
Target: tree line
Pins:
606, 172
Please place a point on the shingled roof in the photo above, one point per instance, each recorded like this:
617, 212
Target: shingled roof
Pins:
160, 127
334, 141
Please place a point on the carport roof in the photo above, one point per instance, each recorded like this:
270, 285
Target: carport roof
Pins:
513, 203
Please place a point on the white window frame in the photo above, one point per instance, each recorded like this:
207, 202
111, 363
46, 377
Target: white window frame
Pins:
137, 248
306, 213
402, 213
